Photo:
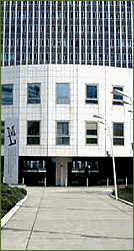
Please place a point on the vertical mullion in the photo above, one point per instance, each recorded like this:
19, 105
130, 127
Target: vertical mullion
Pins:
62, 33
4, 34
79, 32
74, 32
126, 34
21, 33
115, 33
91, 33
39, 34
9, 32
86, 32
27, 33
44, 32
103, 33
15, 32
132, 26
68, 32
109, 31
120, 34
33, 36
56, 31
97, 37
50, 31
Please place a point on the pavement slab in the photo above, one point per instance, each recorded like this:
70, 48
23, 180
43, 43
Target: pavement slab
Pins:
66, 218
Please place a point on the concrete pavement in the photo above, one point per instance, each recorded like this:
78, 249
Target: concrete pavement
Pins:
65, 218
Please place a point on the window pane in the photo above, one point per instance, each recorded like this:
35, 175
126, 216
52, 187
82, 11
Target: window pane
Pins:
33, 140
63, 94
91, 132
65, 141
91, 91
33, 93
91, 128
118, 98
62, 133
118, 141
7, 94
58, 141
91, 140
33, 128
62, 128
118, 129
65, 128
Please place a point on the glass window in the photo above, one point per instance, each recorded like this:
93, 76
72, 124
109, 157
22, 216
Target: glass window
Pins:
91, 133
118, 134
33, 133
118, 98
91, 94
33, 94
62, 135
63, 94
7, 94
2, 132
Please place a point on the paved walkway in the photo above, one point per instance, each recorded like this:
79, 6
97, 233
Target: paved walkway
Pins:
69, 219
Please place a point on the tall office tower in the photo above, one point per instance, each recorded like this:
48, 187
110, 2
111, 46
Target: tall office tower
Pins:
66, 91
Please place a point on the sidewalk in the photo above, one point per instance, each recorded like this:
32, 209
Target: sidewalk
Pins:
69, 219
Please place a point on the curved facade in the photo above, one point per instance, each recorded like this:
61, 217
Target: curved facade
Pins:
61, 120
67, 32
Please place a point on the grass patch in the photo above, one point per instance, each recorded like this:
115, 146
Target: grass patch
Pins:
9, 197
125, 193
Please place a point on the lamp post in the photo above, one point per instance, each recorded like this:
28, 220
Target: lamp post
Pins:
113, 159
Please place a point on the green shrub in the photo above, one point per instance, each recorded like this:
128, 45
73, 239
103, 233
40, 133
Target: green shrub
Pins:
9, 197
125, 193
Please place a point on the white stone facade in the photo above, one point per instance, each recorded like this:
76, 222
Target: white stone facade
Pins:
77, 113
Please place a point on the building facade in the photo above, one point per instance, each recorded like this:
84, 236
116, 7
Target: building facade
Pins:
61, 61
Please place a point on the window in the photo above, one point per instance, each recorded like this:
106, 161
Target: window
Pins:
63, 94
35, 28
33, 93
33, 133
77, 28
91, 133
47, 42
2, 132
118, 98
82, 28
70, 56
7, 94
91, 94
42, 42
118, 134
53, 42
59, 57
62, 135
82, 42
82, 14
35, 42
65, 42
82, 56
59, 42
18, 41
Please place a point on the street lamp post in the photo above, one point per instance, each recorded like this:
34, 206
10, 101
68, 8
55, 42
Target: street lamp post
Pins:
113, 159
